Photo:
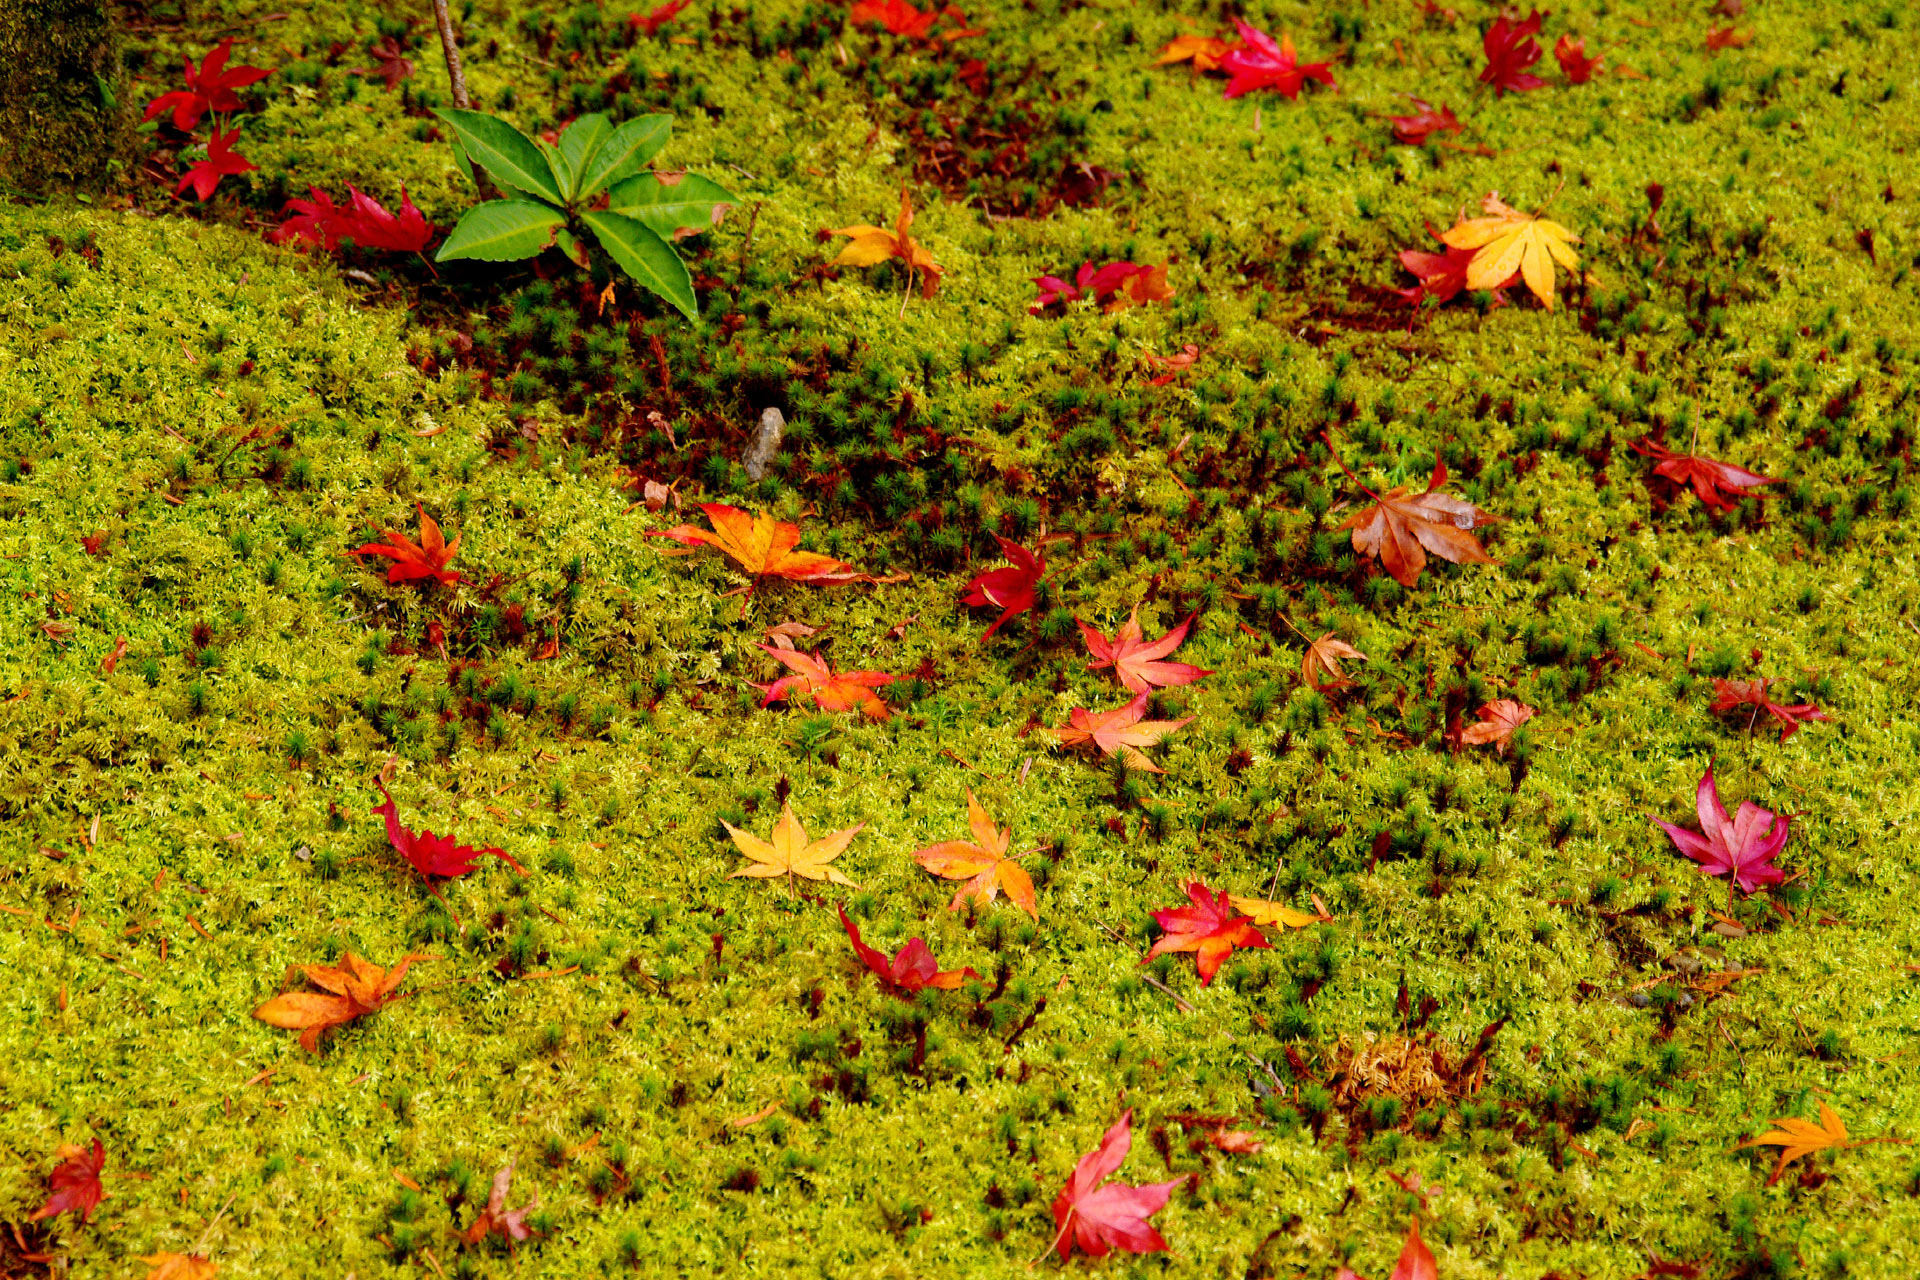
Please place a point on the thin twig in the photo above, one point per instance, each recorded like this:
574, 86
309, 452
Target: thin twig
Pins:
1179, 1004
449, 45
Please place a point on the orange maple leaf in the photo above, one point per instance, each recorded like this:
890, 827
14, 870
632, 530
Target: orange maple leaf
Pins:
872, 245
1204, 52
830, 690
1498, 721
412, 562
1323, 657
1122, 731
1400, 523
983, 864
762, 546
357, 987
1137, 662
180, 1266
1797, 1138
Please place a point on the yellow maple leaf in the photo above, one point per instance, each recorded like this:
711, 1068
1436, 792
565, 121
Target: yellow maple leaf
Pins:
1797, 1138
1507, 240
180, 1266
1262, 912
791, 853
871, 244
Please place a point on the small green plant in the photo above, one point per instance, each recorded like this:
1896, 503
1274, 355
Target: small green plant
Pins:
551, 193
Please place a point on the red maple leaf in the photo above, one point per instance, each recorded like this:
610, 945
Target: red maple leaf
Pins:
75, 1183
211, 88
1100, 1219
394, 66
897, 16
1259, 63
362, 220
830, 690
429, 559
1511, 49
1416, 1260
221, 160
1572, 56
1743, 846
1414, 130
1731, 695
1718, 484
429, 854
1443, 275
651, 23
1116, 286
912, 967
1010, 589
1136, 662
1210, 928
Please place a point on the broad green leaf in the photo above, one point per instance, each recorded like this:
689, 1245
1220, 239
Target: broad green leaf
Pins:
686, 207
571, 246
625, 151
461, 162
561, 173
501, 231
504, 152
642, 254
580, 142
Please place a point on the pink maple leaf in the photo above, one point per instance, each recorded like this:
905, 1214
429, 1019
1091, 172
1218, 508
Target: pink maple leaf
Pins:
1099, 1219
1743, 846
1259, 63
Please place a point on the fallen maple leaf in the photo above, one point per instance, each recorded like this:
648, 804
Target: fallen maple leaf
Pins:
1731, 695
428, 559
650, 24
912, 967
1010, 589
394, 66
1797, 1138
429, 854
210, 88
1323, 657
1204, 52
1135, 661
1235, 1142
1399, 524
1571, 54
1443, 275
1415, 129
1175, 365
1115, 286
1511, 49
180, 1266
363, 221
1416, 1260
762, 546
1498, 721
830, 690
1727, 38
903, 19
1275, 914
1508, 240
74, 1183
511, 1224
983, 864
1122, 731
1099, 1219
1259, 63
1743, 847
1210, 928
870, 245
791, 853
357, 987
221, 161
112, 660
1718, 484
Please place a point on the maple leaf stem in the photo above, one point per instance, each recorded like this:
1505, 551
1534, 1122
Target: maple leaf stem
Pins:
1058, 1236
214, 1222
1328, 437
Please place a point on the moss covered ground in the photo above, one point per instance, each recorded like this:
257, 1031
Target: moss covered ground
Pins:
690, 1070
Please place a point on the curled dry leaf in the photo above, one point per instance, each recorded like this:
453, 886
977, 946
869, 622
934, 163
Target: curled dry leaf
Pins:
911, 969
791, 854
496, 1218
431, 855
983, 863
870, 245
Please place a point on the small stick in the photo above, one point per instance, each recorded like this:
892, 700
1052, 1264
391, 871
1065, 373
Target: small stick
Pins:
1180, 1004
448, 45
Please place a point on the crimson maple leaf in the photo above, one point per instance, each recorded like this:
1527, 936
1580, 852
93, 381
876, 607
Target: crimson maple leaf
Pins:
1399, 524
394, 66
651, 23
362, 220
1099, 1219
1416, 1260
1136, 662
830, 690
912, 967
897, 16
496, 1217
1731, 695
1259, 63
1122, 731
429, 854
211, 88
1718, 484
1116, 286
75, 1182
221, 160
1443, 275
1511, 49
1572, 56
1414, 130
1009, 590
1743, 847
429, 559
1211, 928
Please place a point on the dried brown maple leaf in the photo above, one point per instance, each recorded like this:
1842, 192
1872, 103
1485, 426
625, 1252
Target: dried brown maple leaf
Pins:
1323, 657
356, 988
1400, 523
1122, 731
983, 864
496, 1217
1498, 721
